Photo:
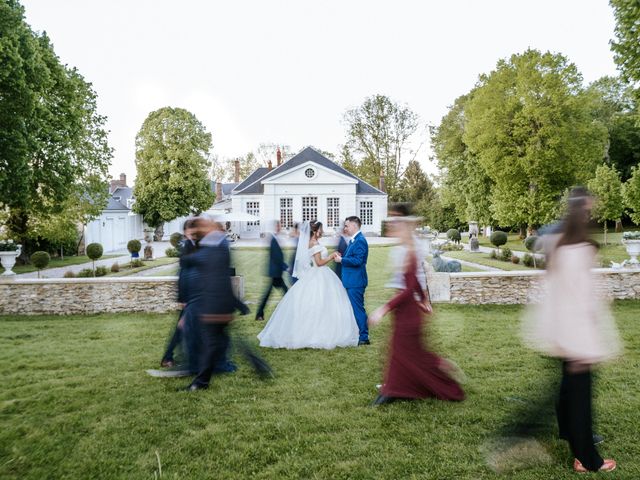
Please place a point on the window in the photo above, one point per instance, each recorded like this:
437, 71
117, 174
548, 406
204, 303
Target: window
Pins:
286, 212
366, 213
309, 173
253, 208
333, 212
309, 208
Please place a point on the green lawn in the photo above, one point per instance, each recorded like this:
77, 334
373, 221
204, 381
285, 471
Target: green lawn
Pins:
484, 259
75, 401
614, 250
56, 262
158, 262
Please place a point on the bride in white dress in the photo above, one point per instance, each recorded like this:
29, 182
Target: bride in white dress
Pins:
316, 311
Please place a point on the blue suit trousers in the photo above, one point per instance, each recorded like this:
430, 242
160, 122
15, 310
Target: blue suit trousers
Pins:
356, 297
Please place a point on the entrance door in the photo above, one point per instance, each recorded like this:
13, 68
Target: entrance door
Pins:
107, 234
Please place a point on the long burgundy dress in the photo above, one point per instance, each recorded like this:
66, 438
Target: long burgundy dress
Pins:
412, 371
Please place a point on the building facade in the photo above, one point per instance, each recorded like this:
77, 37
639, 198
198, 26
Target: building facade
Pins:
309, 186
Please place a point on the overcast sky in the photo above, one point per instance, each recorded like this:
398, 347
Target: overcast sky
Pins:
286, 71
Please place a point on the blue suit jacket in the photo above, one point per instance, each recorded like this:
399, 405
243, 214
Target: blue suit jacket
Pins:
276, 260
354, 263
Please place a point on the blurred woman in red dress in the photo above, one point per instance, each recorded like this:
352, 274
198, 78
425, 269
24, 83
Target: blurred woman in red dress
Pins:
412, 371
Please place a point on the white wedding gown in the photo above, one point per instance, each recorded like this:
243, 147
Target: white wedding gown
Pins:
315, 313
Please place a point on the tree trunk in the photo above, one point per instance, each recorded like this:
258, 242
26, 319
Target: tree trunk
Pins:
159, 233
618, 226
523, 231
605, 232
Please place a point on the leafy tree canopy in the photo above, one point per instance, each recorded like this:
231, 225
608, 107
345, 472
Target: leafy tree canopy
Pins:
172, 161
53, 146
607, 189
530, 125
378, 132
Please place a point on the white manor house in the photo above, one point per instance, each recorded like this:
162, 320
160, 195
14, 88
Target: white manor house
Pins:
308, 186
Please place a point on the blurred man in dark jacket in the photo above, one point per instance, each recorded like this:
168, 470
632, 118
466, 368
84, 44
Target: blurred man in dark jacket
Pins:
214, 302
187, 247
275, 269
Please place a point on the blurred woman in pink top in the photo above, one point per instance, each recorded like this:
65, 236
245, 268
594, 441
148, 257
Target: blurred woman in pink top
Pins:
575, 325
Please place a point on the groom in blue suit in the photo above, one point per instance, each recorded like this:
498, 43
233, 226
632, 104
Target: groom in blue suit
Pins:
354, 273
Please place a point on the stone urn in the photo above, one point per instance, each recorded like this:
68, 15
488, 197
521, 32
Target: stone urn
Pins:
8, 260
148, 249
633, 249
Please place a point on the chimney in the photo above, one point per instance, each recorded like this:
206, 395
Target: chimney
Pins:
279, 157
270, 165
236, 173
381, 185
218, 192
113, 184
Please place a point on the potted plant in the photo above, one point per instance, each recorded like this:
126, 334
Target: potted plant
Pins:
631, 241
9, 251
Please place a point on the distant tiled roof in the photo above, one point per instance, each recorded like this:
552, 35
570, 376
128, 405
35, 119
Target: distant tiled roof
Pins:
226, 188
118, 199
306, 155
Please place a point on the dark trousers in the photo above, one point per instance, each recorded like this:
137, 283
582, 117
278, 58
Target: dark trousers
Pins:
175, 340
575, 416
276, 282
215, 342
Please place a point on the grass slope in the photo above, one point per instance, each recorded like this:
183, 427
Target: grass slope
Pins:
76, 403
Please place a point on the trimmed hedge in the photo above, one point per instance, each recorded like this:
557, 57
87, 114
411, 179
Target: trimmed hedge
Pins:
134, 246
94, 251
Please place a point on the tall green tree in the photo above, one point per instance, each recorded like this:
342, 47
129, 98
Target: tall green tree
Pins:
53, 144
607, 188
378, 132
631, 195
614, 105
415, 184
172, 160
465, 186
530, 126
626, 45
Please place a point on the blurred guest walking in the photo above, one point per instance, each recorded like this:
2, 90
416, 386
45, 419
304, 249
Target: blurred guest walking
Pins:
412, 371
274, 270
215, 301
574, 324
187, 247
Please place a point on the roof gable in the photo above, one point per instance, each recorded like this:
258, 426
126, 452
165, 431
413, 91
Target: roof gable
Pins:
308, 154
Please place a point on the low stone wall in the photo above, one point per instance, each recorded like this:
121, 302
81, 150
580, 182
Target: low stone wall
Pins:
520, 287
93, 295
158, 294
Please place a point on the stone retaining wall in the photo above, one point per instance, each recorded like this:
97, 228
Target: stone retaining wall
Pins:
93, 295
157, 294
525, 287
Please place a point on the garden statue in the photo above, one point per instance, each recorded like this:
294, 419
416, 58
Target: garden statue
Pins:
148, 249
441, 265
474, 244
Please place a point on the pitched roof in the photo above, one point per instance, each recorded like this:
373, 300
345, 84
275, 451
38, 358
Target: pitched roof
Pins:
118, 199
306, 155
256, 175
226, 188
